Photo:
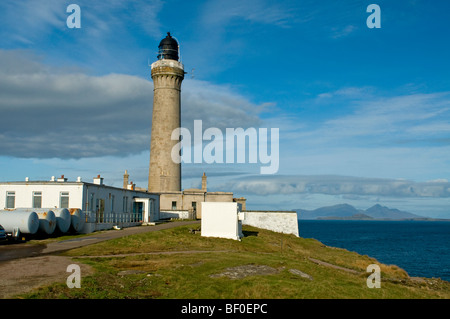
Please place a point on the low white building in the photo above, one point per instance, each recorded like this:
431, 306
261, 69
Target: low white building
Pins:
104, 206
222, 219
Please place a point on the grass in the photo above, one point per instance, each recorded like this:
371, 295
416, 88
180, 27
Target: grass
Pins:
174, 263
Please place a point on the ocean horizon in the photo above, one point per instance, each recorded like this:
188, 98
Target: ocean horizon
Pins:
421, 248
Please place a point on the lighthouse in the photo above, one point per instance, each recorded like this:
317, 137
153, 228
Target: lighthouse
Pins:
167, 74
164, 175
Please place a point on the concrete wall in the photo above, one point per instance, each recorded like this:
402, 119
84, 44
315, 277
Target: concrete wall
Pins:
177, 214
220, 219
168, 197
185, 199
219, 197
91, 227
193, 197
278, 221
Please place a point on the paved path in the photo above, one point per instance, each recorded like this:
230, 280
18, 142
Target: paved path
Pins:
21, 250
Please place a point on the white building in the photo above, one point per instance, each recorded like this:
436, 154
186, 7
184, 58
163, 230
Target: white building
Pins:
222, 219
104, 206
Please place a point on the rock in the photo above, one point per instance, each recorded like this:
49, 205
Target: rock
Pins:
300, 273
418, 280
195, 231
153, 275
243, 271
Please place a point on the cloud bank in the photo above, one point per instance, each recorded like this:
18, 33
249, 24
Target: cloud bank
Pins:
340, 185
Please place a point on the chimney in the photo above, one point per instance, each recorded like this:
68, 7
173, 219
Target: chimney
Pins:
131, 186
204, 182
62, 179
98, 180
125, 179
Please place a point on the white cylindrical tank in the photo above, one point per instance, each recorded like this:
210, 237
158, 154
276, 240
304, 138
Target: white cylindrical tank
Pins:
26, 222
78, 219
47, 222
63, 219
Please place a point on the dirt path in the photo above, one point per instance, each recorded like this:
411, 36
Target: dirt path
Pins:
22, 275
158, 253
320, 262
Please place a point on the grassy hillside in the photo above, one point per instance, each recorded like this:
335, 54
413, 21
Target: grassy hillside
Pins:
176, 263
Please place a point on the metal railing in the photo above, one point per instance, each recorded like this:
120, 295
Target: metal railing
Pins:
112, 217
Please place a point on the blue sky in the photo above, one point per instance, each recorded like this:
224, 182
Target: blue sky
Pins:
364, 114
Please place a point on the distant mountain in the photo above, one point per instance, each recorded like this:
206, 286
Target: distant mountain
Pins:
340, 210
382, 212
353, 217
346, 211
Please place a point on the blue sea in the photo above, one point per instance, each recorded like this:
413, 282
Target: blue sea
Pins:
421, 248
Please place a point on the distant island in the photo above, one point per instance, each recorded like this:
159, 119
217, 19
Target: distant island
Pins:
348, 212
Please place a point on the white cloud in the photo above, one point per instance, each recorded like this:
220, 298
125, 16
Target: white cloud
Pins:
29, 21
339, 185
337, 33
221, 12
218, 106
370, 120
34, 21
225, 29
109, 40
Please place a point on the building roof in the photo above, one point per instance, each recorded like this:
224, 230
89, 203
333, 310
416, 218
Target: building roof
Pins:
67, 183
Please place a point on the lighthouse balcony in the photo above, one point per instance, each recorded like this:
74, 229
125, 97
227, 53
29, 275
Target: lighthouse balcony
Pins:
167, 63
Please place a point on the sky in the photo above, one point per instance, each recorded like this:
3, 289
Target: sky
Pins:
363, 113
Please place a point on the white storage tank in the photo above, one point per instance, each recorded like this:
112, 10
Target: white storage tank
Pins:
25, 222
47, 222
62, 216
78, 219
63, 219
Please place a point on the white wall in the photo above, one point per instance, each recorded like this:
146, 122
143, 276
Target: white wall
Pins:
220, 219
176, 214
50, 194
281, 222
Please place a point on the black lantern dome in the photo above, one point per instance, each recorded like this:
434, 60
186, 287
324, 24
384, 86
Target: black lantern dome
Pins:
168, 48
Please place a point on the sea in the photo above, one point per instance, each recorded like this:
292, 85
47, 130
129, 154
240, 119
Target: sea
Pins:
421, 248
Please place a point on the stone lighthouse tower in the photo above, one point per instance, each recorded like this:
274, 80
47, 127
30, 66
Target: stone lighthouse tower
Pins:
167, 74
